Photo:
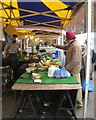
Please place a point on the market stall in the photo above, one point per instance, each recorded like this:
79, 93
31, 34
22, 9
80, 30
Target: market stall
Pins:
50, 17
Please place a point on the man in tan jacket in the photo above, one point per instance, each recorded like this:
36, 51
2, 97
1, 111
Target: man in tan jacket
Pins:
73, 60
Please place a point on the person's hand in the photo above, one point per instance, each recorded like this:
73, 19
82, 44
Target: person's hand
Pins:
54, 45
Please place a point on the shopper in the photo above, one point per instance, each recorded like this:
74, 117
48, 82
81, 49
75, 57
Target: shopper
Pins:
92, 59
73, 60
83, 65
37, 47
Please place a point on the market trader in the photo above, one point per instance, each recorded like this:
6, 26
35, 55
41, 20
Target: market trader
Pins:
73, 60
10, 53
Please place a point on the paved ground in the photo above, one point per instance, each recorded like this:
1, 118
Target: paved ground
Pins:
9, 106
90, 106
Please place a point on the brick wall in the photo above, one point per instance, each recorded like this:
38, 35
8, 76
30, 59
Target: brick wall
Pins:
80, 21
95, 16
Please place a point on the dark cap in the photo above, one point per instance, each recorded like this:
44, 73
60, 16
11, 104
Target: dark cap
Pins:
14, 35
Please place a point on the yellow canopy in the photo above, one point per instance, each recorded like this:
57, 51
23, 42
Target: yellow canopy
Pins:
42, 13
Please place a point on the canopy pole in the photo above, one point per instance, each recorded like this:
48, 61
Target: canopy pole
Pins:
1, 28
58, 41
62, 38
62, 43
88, 58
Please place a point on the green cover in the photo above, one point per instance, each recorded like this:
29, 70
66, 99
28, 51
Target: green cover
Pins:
26, 79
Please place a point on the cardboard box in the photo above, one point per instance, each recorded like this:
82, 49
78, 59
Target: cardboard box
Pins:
10, 30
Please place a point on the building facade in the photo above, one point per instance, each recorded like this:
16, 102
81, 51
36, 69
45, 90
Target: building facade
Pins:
79, 24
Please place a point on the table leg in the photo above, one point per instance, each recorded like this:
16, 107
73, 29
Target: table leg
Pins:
20, 105
71, 104
66, 97
24, 99
30, 101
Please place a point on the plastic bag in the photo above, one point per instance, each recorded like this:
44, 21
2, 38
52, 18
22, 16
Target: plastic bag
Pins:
51, 71
90, 87
63, 62
57, 73
57, 53
61, 73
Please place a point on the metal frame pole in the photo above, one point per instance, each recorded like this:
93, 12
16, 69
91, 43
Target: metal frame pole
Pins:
88, 57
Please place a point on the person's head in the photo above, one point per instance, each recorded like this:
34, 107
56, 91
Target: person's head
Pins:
83, 47
70, 37
86, 42
14, 38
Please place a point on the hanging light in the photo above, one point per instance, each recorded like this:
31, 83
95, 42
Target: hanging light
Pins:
31, 37
36, 39
41, 40
26, 36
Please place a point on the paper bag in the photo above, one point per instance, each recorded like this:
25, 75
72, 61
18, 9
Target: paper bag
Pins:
10, 30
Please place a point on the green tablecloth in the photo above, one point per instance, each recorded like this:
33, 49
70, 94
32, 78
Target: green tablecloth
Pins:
23, 61
26, 79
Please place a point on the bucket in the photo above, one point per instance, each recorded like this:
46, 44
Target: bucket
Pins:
57, 53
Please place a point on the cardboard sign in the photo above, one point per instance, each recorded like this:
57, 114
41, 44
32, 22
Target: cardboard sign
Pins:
10, 30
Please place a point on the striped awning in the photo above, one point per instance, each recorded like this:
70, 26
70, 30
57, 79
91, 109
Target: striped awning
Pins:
43, 13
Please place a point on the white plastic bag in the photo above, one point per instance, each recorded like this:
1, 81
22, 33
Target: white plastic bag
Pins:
51, 71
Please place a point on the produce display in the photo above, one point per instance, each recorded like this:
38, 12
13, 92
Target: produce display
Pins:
36, 75
46, 63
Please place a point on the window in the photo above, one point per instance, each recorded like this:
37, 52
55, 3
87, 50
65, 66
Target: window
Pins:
66, 29
81, 29
73, 29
